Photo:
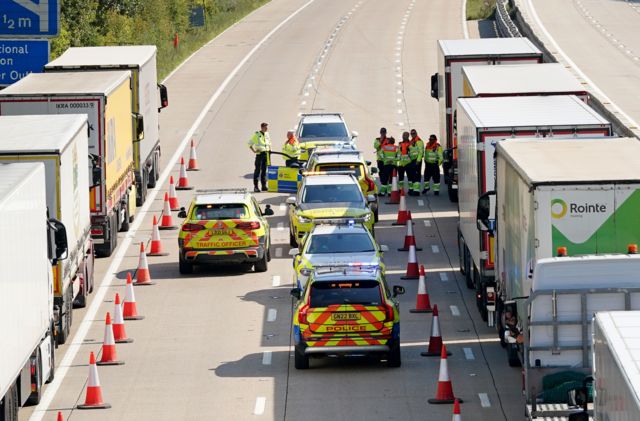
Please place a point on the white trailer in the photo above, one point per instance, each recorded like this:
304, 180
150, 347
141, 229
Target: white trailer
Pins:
27, 244
60, 142
447, 87
616, 365
148, 98
485, 122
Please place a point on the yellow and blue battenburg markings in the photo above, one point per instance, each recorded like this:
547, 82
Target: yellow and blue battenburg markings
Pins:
283, 179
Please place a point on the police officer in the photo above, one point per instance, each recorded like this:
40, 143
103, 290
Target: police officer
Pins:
377, 145
260, 144
416, 152
291, 149
404, 160
389, 158
432, 162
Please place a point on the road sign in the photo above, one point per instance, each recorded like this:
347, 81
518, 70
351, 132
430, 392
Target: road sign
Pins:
29, 18
20, 57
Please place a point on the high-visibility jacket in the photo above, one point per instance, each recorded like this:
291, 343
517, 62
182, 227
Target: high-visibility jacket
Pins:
403, 154
389, 154
416, 150
377, 145
433, 153
292, 148
260, 142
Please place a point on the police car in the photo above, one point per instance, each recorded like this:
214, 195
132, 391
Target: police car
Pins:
322, 129
224, 226
346, 310
338, 241
326, 196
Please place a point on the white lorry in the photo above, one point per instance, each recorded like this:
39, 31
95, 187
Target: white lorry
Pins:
566, 197
60, 142
616, 365
483, 122
148, 98
29, 244
447, 87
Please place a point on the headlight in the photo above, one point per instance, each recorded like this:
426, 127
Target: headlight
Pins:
367, 217
303, 220
305, 271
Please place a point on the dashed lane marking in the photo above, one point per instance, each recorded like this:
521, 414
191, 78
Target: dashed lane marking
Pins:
468, 354
484, 400
454, 310
266, 357
283, 207
272, 314
275, 280
279, 252
427, 223
280, 226
435, 249
444, 277
421, 203
261, 402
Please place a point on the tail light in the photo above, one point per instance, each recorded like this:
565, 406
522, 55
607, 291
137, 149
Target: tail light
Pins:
389, 313
97, 231
302, 314
253, 225
192, 227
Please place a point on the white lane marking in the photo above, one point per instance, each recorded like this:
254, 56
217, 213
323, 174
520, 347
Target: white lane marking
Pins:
283, 207
443, 277
465, 29
468, 354
272, 314
261, 402
435, 249
78, 339
484, 400
421, 203
454, 310
275, 280
279, 252
427, 223
266, 357
280, 226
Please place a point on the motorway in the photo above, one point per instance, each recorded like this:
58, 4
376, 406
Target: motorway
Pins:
217, 345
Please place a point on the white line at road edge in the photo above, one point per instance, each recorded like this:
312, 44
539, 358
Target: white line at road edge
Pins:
575, 67
465, 29
90, 315
261, 402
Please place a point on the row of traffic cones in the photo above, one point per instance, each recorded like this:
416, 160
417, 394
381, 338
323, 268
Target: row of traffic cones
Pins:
114, 332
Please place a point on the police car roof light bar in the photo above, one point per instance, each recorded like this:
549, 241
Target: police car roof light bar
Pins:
232, 190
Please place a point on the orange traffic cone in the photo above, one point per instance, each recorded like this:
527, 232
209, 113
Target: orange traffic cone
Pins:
435, 339
173, 198
166, 222
403, 215
412, 265
394, 199
143, 277
456, 411
109, 356
156, 243
119, 332
423, 304
409, 238
183, 181
130, 310
193, 158
444, 392
93, 399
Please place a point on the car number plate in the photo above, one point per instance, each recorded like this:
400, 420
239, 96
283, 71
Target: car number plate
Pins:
220, 232
339, 317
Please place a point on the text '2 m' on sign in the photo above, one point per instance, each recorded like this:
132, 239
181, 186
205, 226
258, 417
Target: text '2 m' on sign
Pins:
29, 18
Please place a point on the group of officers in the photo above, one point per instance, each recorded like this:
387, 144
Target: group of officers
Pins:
406, 157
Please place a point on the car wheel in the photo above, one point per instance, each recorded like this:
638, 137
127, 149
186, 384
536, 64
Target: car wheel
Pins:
292, 239
375, 215
394, 359
301, 361
186, 268
261, 265
269, 254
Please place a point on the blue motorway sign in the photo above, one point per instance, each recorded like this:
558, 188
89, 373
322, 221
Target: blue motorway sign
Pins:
32, 18
19, 57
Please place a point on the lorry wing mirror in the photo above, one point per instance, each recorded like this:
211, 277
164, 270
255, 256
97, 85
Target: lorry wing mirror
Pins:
138, 120
447, 155
434, 86
164, 97
398, 290
374, 170
268, 211
59, 239
182, 213
483, 211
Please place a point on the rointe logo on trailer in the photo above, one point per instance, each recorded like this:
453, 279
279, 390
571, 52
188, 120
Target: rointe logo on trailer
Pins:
559, 208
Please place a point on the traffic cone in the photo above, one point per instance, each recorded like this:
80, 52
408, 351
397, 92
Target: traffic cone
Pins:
456, 411
109, 356
183, 181
402, 211
156, 243
423, 304
444, 392
93, 398
173, 198
435, 339
193, 158
166, 223
59, 417
130, 310
119, 332
394, 199
412, 265
143, 277
409, 238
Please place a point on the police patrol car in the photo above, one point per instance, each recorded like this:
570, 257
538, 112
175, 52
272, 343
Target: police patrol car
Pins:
322, 129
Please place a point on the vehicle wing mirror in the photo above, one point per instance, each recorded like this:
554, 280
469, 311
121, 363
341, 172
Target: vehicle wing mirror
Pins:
483, 212
182, 213
398, 290
164, 97
384, 248
294, 252
374, 170
434, 86
368, 163
291, 200
447, 155
60, 239
371, 198
296, 292
268, 211
354, 134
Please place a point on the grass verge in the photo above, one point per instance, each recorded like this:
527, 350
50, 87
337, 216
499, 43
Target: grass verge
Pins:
480, 9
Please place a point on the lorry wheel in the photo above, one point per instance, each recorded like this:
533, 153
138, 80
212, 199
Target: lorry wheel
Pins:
394, 358
453, 194
9, 405
461, 251
468, 271
127, 217
52, 362
512, 356
301, 361
154, 172
62, 330
36, 379
81, 299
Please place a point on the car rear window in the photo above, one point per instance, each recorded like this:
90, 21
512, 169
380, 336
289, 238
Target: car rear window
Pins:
220, 211
324, 294
341, 243
332, 193
356, 168
316, 130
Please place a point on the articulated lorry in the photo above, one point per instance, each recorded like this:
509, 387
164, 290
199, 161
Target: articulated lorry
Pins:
60, 143
29, 244
105, 98
148, 99
574, 198
483, 123
447, 86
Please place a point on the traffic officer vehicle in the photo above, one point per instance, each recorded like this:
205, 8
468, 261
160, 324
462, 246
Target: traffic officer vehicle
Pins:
335, 241
347, 159
346, 310
224, 226
325, 196
322, 129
